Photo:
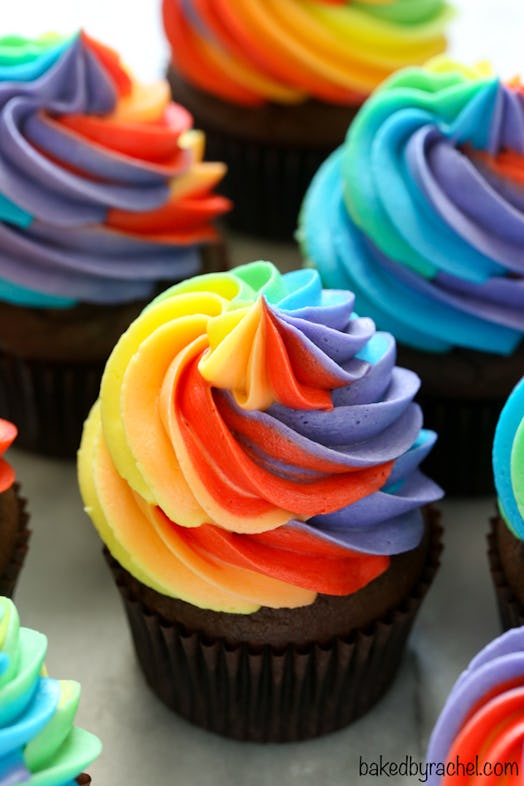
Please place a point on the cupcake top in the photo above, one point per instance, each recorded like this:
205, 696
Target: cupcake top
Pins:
287, 51
8, 434
254, 444
508, 460
103, 191
482, 723
421, 211
39, 743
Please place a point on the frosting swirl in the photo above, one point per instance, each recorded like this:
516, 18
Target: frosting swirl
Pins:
508, 460
103, 189
484, 714
287, 51
254, 444
421, 212
8, 434
38, 742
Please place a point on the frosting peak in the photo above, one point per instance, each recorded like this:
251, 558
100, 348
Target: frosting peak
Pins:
254, 444
420, 213
91, 159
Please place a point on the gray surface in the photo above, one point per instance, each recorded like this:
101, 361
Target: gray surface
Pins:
66, 591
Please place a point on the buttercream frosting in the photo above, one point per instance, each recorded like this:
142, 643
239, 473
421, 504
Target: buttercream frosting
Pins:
482, 722
286, 51
421, 211
8, 433
39, 743
508, 460
254, 444
103, 191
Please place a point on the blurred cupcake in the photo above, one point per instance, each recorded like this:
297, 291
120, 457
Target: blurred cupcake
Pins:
506, 547
252, 467
421, 214
14, 530
40, 744
275, 84
479, 735
103, 196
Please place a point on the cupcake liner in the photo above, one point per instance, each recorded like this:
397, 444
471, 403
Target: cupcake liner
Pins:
271, 151
84, 779
48, 401
267, 183
511, 610
269, 694
460, 461
10, 574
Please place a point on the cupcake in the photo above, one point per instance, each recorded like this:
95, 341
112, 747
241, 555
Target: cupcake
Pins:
421, 214
506, 547
104, 197
40, 743
252, 468
479, 735
14, 530
276, 84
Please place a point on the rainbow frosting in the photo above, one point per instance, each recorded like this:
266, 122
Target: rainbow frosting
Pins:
254, 444
103, 191
39, 745
508, 461
421, 211
482, 723
285, 51
8, 434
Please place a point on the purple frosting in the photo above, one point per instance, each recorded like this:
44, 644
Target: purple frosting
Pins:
57, 188
374, 419
499, 663
415, 216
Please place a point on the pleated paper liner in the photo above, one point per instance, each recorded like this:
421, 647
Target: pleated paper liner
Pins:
267, 183
9, 577
272, 694
271, 151
460, 461
50, 399
510, 608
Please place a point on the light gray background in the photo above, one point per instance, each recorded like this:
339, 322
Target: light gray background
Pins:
65, 589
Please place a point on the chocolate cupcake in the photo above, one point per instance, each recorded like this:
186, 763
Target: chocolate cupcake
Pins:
276, 84
479, 735
40, 744
506, 547
104, 197
14, 530
420, 213
252, 467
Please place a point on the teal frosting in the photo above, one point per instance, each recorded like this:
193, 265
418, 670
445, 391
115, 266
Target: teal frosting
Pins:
39, 744
419, 214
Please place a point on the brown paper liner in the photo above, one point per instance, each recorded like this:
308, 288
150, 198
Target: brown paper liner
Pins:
510, 608
84, 779
271, 151
461, 461
9, 577
48, 401
268, 694
266, 183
